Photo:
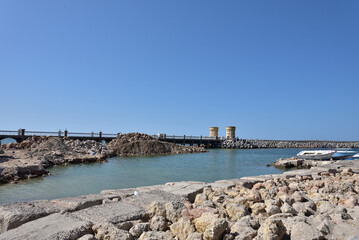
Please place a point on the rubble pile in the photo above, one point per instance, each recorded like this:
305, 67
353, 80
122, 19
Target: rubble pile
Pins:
138, 144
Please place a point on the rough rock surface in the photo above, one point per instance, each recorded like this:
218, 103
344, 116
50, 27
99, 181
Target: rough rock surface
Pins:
133, 144
320, 203
55, 226
293, 162
14, 215
31, 157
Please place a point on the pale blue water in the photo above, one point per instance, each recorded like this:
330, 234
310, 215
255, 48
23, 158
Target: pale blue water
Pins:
126, 172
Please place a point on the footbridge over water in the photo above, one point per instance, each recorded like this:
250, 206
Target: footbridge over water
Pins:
22, 134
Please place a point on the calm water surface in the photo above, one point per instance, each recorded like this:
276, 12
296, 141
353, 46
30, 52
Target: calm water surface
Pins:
126, 172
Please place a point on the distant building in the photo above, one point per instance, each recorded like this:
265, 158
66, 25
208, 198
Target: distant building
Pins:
231, 132
213, 131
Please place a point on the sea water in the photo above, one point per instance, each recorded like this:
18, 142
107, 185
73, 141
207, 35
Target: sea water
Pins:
128, 172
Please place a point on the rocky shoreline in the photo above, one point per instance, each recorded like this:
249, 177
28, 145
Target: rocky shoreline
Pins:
31, 158
255, 143
319, 203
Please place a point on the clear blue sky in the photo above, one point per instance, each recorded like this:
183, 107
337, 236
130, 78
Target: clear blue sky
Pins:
275, 69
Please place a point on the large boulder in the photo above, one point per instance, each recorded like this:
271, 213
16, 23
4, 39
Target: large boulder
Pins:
187, 189
110, 232
211, 226
81, 202
138, 229
52, 227
242, 229
174, 210
303, 230
114, 213
205, 220
272, 229
158, 223
15, 214
216, 229
182, 228
155, 236
236, 211
195, 236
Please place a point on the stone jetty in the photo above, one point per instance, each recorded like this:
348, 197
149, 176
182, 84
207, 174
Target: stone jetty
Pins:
255, 143
319, 203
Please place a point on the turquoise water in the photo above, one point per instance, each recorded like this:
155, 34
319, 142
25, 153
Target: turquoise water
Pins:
126, 172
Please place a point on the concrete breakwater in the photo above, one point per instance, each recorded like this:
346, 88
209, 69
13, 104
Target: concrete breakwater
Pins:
320, 203
255, 143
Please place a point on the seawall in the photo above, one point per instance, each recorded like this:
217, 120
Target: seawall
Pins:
255, 143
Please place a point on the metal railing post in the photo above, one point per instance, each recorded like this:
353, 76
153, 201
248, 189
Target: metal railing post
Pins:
22, 134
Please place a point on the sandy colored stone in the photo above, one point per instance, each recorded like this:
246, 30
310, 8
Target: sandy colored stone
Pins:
182, 228
236, 211
158, 223
216, 229
272, 229
204, 221
55, 226
155, 236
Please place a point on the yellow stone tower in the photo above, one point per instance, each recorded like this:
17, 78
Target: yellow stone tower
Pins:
231, 132
213, 131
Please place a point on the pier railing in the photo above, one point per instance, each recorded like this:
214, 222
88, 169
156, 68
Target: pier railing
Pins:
65, 133
182, 137
22, 133
8, 133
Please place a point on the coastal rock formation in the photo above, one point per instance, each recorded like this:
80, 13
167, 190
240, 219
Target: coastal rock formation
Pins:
320, 203
293, 162
255, 143
29, 158
134, 144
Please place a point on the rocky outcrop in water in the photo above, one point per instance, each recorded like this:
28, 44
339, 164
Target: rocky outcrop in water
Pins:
321, 203
293, 162
255, 143
31, 157
135, 144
